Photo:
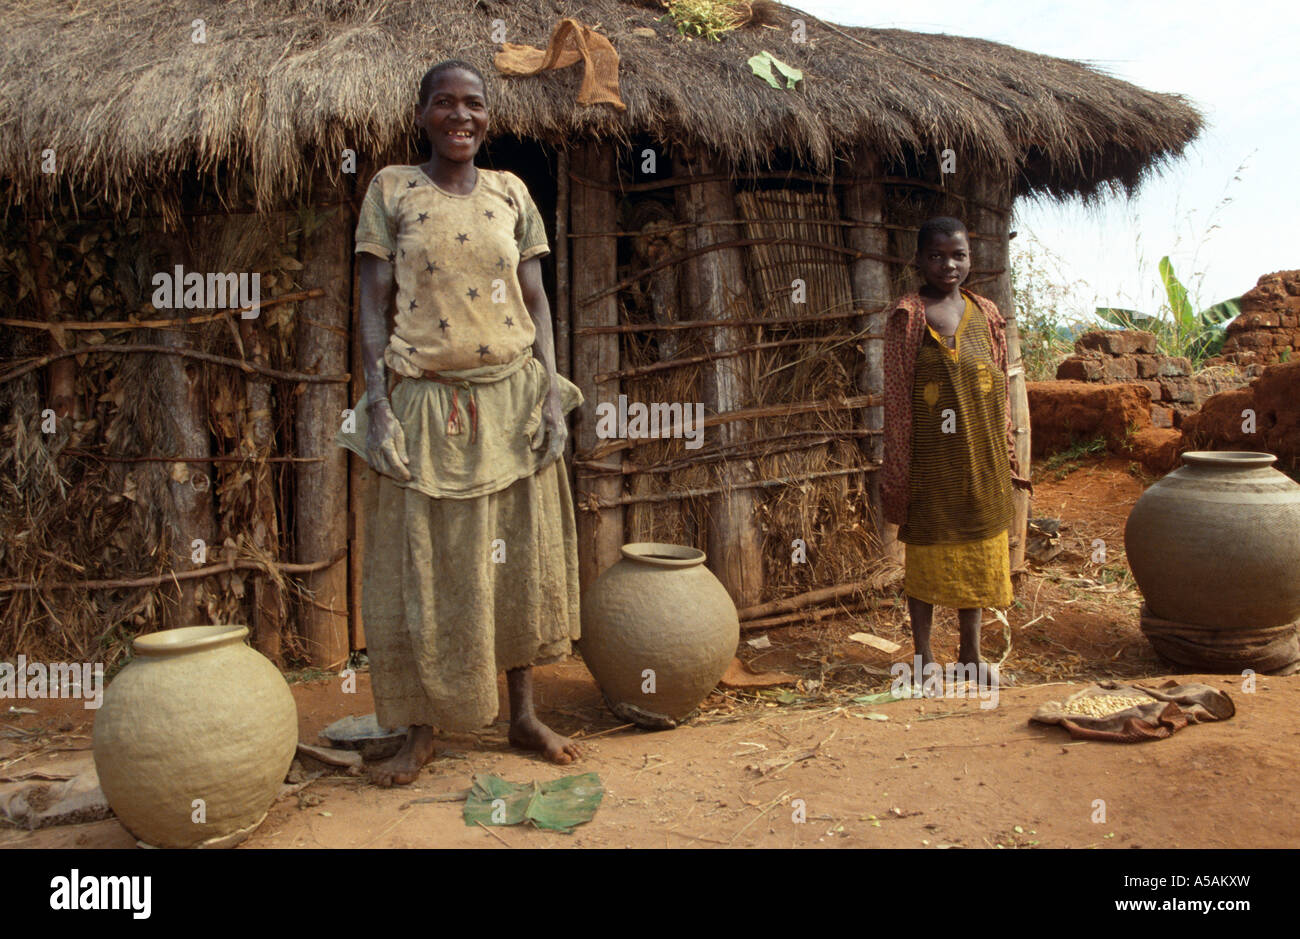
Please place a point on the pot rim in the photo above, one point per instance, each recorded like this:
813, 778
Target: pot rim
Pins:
663, 555
186, 639
1233, 459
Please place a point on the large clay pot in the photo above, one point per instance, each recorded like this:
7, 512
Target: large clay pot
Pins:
1217, 543
196, 714
658, 618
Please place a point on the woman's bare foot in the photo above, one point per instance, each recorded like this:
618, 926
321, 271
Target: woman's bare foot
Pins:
528, 733
402, 768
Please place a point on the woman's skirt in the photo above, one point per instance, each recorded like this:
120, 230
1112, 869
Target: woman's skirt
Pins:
971, 575
456, 590
472, 566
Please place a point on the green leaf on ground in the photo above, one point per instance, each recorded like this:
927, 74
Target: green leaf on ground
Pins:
884, 697
559, 805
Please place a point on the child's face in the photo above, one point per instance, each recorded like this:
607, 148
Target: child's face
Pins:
944, 261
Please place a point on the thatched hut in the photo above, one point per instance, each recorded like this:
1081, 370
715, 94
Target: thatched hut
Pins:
720, 241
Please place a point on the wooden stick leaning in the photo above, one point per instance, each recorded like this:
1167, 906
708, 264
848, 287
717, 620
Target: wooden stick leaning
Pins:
714, 356
676, 181
746, 414
785, 619
593, 504
706, 324
86, 454
812, 597
721, 245
223, 567
247, 367
311, 294
748, 449
829, 222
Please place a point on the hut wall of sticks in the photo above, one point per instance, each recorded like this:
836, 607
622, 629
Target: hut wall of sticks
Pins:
720, 242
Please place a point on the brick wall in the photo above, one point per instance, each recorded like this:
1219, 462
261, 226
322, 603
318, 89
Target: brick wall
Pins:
1268, 329
1129, 356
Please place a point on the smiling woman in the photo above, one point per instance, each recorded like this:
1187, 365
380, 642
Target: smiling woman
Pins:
471, 550
438, 114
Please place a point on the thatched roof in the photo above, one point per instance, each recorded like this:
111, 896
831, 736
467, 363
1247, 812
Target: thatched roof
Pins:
130, 104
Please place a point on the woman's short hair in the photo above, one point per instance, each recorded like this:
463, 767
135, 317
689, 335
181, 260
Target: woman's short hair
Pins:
430, 79
941, 225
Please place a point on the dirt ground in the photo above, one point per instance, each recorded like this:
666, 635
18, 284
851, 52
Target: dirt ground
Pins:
911, 774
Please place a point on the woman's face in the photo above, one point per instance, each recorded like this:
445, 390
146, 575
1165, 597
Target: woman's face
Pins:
944, 261
455, 118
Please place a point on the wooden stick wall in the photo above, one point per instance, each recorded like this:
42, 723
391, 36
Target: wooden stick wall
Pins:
864, 202
319, 511
717, 296
594, 265
992, 216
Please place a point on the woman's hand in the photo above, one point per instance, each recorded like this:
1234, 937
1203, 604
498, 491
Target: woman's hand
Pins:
555, 431
386, 442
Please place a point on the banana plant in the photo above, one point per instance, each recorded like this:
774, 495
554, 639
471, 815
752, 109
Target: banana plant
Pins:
1196, 335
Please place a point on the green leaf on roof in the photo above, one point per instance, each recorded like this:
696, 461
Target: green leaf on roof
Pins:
766, 66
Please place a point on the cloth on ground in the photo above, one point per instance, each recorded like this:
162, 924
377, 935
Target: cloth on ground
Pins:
1172, 707
67, 793
570, 41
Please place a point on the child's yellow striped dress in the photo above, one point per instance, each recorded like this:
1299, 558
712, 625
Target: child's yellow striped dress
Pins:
960, 487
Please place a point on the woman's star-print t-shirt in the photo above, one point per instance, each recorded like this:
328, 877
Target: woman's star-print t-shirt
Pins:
455, 264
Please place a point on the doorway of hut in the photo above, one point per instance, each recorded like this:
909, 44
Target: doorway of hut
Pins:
538, 166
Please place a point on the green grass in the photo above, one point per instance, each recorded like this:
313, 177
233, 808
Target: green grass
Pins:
1046, 325
1070, 459
1116, 572
308, 674
707, 18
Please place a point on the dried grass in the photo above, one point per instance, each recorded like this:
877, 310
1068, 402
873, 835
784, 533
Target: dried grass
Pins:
66, 517
131, 106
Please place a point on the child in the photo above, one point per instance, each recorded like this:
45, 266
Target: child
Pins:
949, 465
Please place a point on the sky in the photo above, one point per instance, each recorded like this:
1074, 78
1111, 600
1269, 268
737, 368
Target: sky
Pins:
1236, 62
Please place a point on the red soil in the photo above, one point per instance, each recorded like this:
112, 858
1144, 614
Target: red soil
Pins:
935, 773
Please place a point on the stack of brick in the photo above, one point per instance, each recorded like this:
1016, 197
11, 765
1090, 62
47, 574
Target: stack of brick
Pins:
1129, 356
1268, 329
1271, 401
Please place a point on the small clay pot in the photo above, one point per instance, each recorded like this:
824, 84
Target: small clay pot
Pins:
195, 715
1217, 543
658, 631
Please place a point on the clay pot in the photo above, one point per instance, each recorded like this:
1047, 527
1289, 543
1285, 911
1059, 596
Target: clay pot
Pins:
196, 714
658, 609
1217, 543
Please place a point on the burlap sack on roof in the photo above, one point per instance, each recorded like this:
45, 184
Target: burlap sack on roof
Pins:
570, 42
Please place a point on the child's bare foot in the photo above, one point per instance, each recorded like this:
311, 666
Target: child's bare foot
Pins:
987, 674
402, 768
528, 733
